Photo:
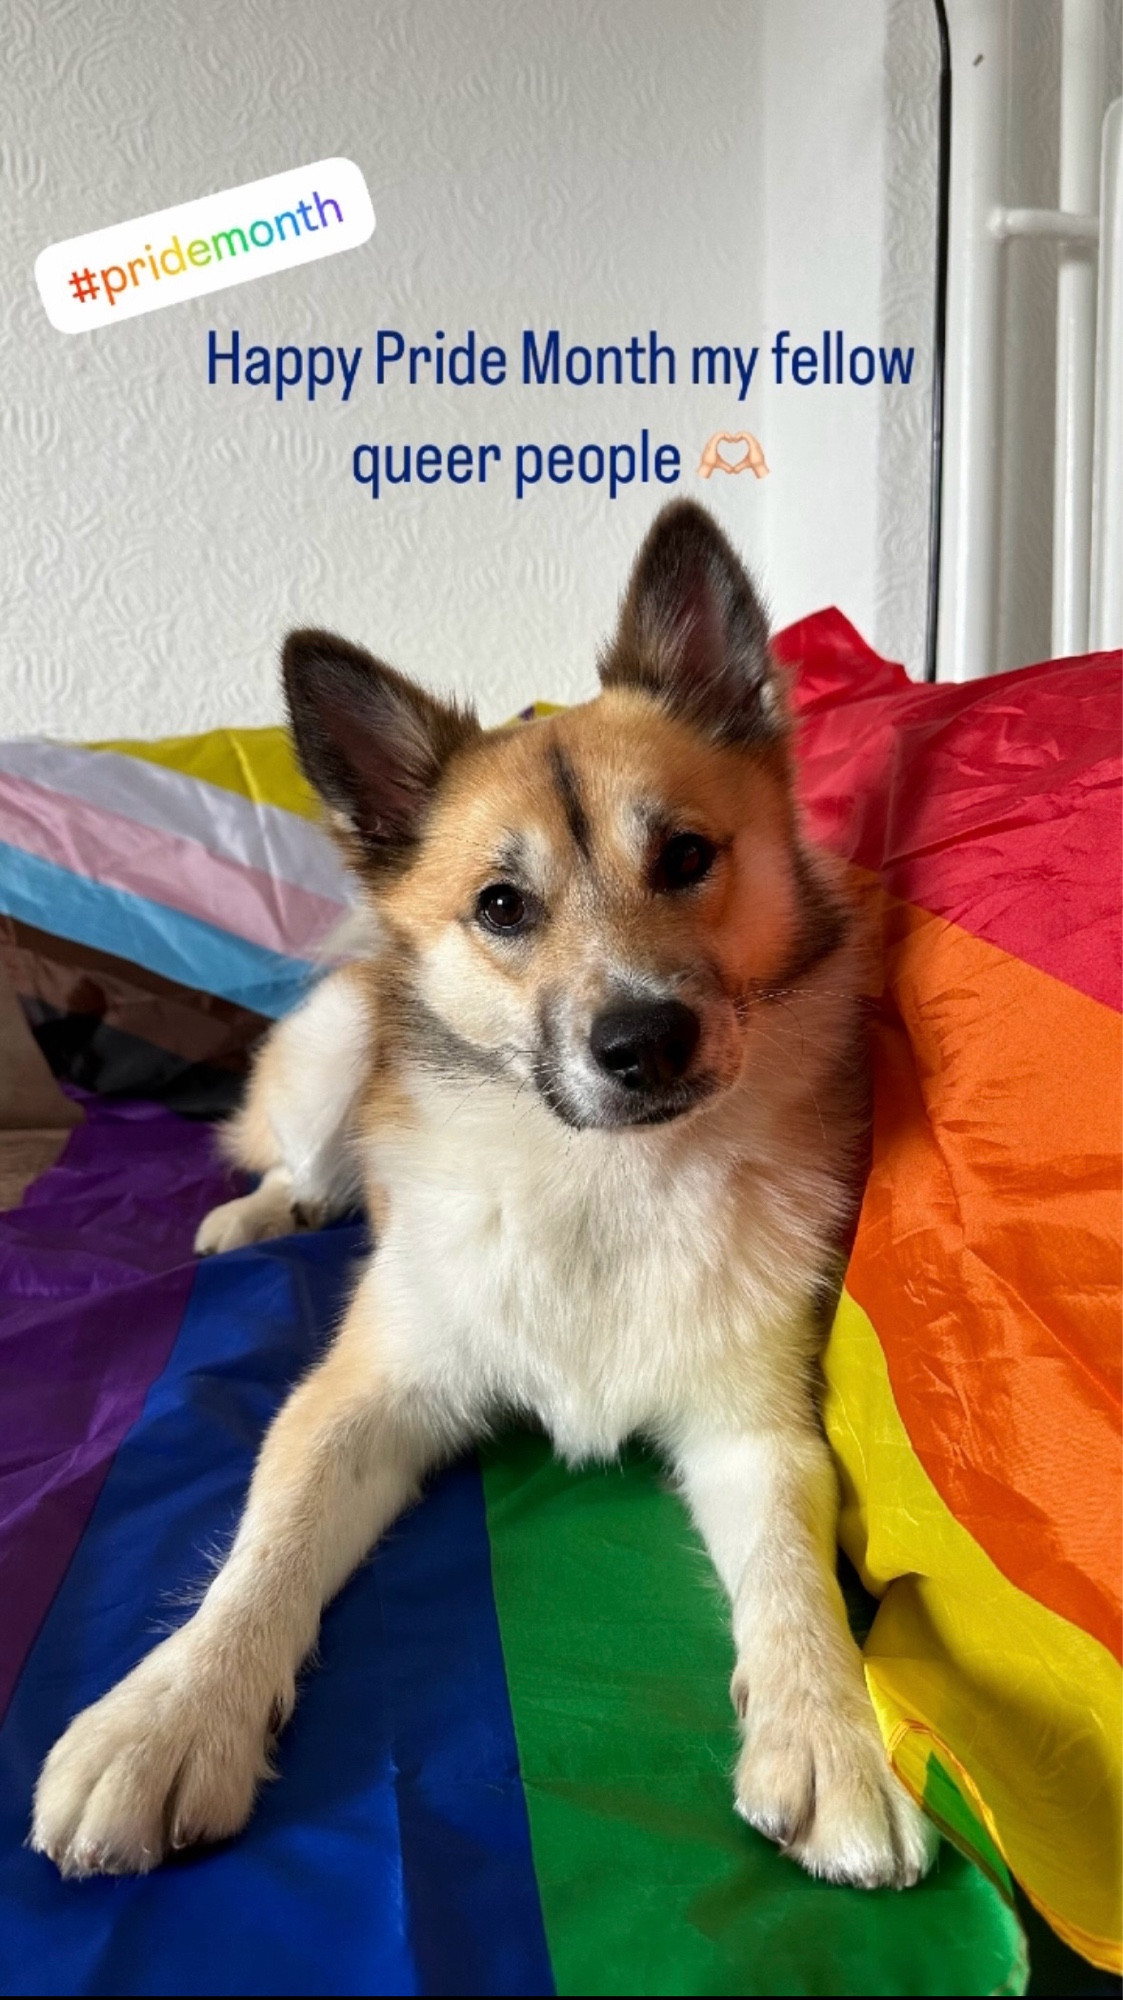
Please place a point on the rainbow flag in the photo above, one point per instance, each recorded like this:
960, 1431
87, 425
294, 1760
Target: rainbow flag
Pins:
974, 1368
511, 1772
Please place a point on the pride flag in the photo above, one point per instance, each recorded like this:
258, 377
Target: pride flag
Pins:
974, 1367
511, 1772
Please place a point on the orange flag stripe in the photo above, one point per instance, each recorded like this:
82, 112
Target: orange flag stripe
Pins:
988, 1253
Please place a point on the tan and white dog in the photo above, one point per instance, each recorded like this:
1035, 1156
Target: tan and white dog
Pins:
599, 1078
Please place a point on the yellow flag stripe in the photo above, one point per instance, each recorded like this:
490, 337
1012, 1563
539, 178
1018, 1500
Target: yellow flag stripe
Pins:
258, 764
1024, 1707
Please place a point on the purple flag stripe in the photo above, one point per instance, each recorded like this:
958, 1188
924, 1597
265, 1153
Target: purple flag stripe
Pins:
97, 1262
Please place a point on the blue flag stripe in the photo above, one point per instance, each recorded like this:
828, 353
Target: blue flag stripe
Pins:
393, 1857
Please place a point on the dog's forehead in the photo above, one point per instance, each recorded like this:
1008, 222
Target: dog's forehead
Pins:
614, 768
563, 797
582, 797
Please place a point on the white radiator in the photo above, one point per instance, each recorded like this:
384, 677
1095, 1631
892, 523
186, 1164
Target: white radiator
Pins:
1088, 457
1106, 621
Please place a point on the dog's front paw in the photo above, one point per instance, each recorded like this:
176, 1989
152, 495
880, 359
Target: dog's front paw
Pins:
815, 1778
171, 1757
251, 1218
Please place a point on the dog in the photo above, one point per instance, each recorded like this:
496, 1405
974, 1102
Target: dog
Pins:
597, 1073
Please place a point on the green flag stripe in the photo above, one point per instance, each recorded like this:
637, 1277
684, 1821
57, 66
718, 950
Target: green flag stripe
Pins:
618, 1656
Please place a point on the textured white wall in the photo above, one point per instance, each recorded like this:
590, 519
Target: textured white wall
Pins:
850, 143
712, 168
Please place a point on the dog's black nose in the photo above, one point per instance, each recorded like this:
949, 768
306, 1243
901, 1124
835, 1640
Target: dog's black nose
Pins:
646, 1042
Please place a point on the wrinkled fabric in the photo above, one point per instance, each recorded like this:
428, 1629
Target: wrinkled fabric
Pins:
511, 1774
160, 904
974, 1370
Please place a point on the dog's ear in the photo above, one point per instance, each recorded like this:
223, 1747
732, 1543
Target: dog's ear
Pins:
694, 634
373, 745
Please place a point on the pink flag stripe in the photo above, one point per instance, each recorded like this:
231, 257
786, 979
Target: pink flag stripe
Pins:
156, 795
178, 803
165, 868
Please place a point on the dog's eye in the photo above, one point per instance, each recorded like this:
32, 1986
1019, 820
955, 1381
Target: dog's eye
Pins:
501, 907
684, 860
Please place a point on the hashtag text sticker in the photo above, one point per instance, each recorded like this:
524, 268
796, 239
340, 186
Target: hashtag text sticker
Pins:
204, 246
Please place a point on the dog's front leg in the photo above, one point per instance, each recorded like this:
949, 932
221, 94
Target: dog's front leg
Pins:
174, 1754
812, 1774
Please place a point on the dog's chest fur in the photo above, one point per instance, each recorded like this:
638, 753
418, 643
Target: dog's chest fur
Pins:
605, 1282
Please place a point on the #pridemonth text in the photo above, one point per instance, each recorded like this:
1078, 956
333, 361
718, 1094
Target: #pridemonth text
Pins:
173, 260
207, 244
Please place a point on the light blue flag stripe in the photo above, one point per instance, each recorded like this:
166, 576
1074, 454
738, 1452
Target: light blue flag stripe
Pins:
166, 941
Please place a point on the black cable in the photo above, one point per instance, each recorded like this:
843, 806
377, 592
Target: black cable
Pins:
939, 342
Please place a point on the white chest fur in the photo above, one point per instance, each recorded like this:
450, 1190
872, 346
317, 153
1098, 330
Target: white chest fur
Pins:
606, 1282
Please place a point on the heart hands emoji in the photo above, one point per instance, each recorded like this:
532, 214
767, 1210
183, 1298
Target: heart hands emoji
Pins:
752, 459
